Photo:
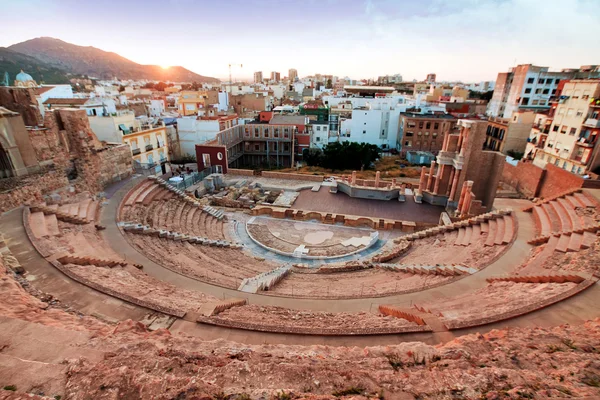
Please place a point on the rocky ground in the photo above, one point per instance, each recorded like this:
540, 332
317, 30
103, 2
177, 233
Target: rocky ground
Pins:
279, 316
137, 364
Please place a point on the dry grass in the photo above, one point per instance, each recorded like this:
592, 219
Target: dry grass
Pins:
389, 167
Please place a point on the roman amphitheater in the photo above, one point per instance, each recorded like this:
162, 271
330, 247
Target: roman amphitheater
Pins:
291, 290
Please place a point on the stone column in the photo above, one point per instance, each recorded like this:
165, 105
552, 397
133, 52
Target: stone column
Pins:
431, 169
454, 184
393, 183
450, 182
446, 141
440, 173
422, 180
468, 201
377, 178
467, 185
353, 178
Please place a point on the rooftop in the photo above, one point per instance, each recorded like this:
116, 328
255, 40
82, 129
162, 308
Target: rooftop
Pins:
427, 116
68, 101
288, 120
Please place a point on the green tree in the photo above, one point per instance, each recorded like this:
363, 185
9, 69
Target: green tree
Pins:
329, 84
312, 157
160, 86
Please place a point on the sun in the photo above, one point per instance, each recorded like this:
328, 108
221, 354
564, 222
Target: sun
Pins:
165, 66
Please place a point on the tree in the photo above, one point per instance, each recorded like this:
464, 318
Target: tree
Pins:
329, 84
121, 88
349, 155
160, 86
149, 85
312, 157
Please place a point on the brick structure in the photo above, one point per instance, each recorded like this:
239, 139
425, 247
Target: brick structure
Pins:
51, 149
532, 181
462, 160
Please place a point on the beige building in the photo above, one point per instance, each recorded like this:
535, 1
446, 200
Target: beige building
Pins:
190, 101
147, 140
509, 134
571, 141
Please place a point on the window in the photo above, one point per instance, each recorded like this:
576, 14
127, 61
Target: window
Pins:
563, 129
541, 81
318, 139
426, 133
428, 126
579, 113
364, 132
553, 91
546, 91
383, 132
419, 134
412, 125
574, 169
533, 103
420, 125
434, 134
525, 101
542, 102
530, 80
318, 128
561, 111
527, 90
556, 162
409, 134
570, 112
538, 91
564, 165
572, 131
256, 147
408, 143
436, 125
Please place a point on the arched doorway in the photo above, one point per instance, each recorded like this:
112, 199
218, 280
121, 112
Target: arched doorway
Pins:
6, 166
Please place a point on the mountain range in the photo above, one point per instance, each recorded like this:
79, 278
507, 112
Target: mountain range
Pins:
52, 60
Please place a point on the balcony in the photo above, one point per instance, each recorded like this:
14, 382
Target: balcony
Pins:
149, 147
592, 123
135, 152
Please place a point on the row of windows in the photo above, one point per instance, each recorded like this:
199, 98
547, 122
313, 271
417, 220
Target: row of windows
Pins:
536, 102
557, 161
410, 134
540, 91
427, 125
542, 81
272, 148
409, 143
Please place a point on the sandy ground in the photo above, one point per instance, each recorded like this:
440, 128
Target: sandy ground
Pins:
363, 283
278, 316
225, 267
496, 298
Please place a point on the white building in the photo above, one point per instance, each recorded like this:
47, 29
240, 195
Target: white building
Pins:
156, 107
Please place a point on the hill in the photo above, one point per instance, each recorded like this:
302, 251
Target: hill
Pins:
12, 62
88, 60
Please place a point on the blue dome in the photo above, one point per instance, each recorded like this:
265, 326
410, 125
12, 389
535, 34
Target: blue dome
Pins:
23, 77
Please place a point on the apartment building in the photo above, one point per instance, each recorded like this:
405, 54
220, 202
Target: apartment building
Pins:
201, 129
571, 142
424, 132
258, 77
275, 76
509, 134
190, 101
292, 75
530, 87
146, 138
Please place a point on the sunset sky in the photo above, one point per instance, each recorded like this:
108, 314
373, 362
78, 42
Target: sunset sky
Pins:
468, 40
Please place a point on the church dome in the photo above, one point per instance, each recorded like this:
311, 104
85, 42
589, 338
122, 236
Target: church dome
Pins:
24, 80
23, 77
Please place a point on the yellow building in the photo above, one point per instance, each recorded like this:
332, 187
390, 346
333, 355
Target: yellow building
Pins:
190, 101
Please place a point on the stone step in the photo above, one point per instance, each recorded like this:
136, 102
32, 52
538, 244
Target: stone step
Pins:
563, 216
499, 231
491, 232
476, 234
460, 237
83, 208
543, 221
584, 200
552, 216
143, 194
92, 210
51, 224
563, 243
468, 235
574, 219
485, 228
575, 242
509, 229
588, 239
37, 223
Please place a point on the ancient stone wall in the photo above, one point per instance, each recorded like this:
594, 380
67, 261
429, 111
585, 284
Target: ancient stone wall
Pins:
242, 172
23, 101
557, 180
524, 177
31, 189
284, 175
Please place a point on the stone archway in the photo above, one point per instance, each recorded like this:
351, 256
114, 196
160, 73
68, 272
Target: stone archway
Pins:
6, 166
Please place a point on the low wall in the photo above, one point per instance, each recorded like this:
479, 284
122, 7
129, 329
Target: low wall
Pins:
557, 180
243, 172
330, 218
363, 192
286, 175
309, 330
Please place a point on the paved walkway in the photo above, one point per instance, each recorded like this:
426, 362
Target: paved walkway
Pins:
574, 310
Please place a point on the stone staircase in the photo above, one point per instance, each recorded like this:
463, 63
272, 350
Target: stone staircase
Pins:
421, 269
66, 214
218, 214
575, 193
554, 278
463, 224
210, 309
264, 281
133, 227
86, 260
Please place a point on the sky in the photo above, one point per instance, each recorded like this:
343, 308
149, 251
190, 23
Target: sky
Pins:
467, 40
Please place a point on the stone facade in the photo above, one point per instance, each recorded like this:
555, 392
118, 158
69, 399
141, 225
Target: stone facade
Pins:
532, 181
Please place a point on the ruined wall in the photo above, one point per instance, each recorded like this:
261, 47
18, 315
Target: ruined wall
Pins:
23, 101
283, 175
556, 180
30, 189
525, 178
